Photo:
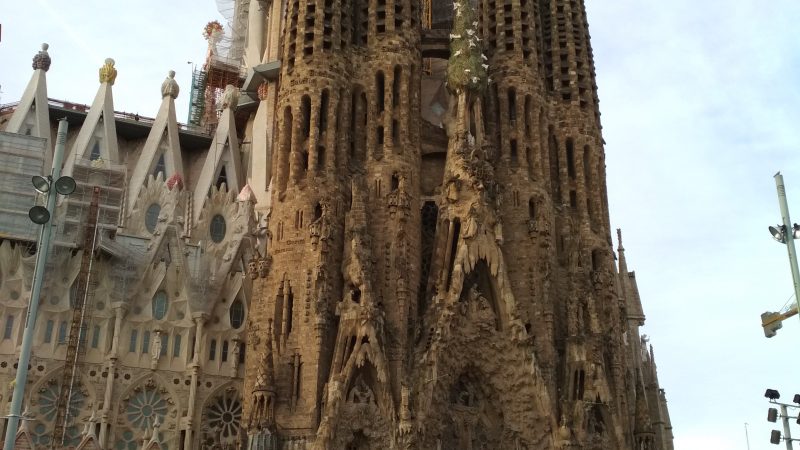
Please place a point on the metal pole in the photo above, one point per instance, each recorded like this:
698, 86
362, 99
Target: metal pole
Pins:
787, 432
747, 435
789, 236
36, 290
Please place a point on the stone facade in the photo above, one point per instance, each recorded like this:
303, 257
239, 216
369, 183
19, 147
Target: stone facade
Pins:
164, 299
438, 270
405, 225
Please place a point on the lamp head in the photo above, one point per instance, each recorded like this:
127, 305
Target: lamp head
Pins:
65, 185
779, 233
41, 184
39, 215
772, 394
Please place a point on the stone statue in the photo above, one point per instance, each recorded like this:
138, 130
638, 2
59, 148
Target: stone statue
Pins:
155, 350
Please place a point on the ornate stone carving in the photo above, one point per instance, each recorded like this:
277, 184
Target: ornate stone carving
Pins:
42, 59
170, 87
108, 74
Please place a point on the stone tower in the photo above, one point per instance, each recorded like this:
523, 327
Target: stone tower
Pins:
436, 270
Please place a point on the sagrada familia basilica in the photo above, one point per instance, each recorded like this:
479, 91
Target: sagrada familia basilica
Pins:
384, 226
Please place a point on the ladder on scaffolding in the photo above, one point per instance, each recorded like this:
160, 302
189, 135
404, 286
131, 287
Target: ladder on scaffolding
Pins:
81, 312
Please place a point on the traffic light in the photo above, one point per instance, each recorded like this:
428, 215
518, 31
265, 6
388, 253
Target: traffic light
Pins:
771, 322
772, 415
775, 437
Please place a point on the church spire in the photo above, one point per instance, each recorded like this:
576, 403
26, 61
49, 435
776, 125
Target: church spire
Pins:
31, 115
97, 139
162, 150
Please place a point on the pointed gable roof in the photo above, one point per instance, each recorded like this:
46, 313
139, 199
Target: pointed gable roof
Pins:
222, 155
32, 108
162, 143
98, 134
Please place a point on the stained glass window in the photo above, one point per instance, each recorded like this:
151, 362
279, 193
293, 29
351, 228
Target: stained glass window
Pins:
237, 314
144, 407
9, 327
145, 342
176, 345
223, 416
62, 332
217, 228
159, 305
134, 339
151, 217
48, 332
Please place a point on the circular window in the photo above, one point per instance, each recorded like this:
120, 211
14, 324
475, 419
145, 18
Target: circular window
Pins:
159, 305
151, 217
237, 314
217, 228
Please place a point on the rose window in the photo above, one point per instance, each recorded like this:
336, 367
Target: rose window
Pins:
144, 407
48, 400
223, 417
126, 441
42, 435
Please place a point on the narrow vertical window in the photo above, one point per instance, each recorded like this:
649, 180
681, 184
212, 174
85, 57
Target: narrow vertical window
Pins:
96, 336
62, 332
146, 341
9, 327
380, 87
164, 345
212, 350
48, 332
134, 340
224, 353
571, 158
176, 346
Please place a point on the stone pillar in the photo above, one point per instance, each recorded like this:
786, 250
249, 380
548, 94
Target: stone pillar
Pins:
194, 369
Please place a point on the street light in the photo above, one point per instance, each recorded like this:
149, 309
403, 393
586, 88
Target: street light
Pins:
772, 416
771, 321
40, 215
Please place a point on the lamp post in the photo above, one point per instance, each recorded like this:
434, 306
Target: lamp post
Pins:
785, 234
41, 216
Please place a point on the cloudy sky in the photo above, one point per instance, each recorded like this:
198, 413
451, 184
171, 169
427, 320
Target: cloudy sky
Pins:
701, 106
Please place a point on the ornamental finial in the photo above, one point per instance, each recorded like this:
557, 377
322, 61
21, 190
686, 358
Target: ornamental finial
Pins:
42, 59
230, 98
108, 74
170, 86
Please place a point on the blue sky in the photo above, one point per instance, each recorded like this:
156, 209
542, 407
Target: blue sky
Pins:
699, 104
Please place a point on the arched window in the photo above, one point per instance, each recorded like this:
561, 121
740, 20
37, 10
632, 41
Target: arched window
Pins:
380, 87
217, 228
159, 305
237, 314
151, 217
48, 332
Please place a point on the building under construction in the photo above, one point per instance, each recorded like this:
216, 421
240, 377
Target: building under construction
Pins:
140, 331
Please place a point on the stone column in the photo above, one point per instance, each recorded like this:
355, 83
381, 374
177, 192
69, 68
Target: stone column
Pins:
194, 369
119, 313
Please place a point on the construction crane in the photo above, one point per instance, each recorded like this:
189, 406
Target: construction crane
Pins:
81, 311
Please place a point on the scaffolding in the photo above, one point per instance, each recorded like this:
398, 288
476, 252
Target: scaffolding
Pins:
21, 158
223, 65
87, 175
81, 313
